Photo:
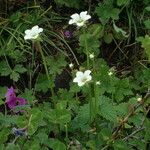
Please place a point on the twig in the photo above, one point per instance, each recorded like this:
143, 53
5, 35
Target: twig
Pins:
133, 133
115, 134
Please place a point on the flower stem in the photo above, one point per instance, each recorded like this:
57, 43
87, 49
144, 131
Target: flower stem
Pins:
45, 66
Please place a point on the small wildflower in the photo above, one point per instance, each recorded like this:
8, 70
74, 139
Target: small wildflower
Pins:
79, 19
82, 77
33, 33
139, 99
98, 83
13, 101
110, 73
68, 34
91, 56
19, 132
71, 65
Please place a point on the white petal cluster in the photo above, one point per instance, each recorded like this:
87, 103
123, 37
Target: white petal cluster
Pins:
79, 19
82, 77
110, 73
91, 56
98, 83
71, 65
33, 33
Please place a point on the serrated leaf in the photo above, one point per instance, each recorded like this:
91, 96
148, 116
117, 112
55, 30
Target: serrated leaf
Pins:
106, 10
14, 76
121, 145
145, 44
82, 119
105, 134
4, 69
107, 110
12, 146
57, 145
59, 116
42, 83
147, 23
89, 42
28, 95
20, 69
36, 121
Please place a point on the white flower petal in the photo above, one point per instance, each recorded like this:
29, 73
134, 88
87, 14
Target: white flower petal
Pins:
75, 17
84, 16
35, 28
40, 30
81, 83
27, 37
89, 78
87, 72
75, 79
71, 21
27, 31
79, 74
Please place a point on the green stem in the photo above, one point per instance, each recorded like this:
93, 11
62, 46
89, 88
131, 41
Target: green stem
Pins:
45, 66
86, 50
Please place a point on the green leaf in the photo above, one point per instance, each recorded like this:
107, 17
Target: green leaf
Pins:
57, 145
148, 8
4, 69
108, 37
4, 135
20, 69
12, 146
57, 116
28, 95
89, 42
119, 30
147, 131
2, 92
122, 89
105, 134
147, 23
145, 44
42, 83
69, 3
36, 121
97, 30
14, 76
106, 10
121, 145
56, 64
82, 119
107, 110
122, 2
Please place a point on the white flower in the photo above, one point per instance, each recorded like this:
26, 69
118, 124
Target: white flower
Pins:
91, 56
98, 83
82, 78
71, 65
110, 73
33, 33
79, 19
139, 99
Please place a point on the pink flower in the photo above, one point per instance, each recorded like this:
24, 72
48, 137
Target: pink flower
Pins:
13, 101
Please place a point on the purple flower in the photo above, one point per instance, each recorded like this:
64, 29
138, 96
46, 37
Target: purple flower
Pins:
19, 132
68, 34
13, 101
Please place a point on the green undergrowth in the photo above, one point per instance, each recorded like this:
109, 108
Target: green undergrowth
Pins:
111, 112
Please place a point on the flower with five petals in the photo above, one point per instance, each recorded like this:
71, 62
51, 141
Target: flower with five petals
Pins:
82, 77
33, 33
79, 19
